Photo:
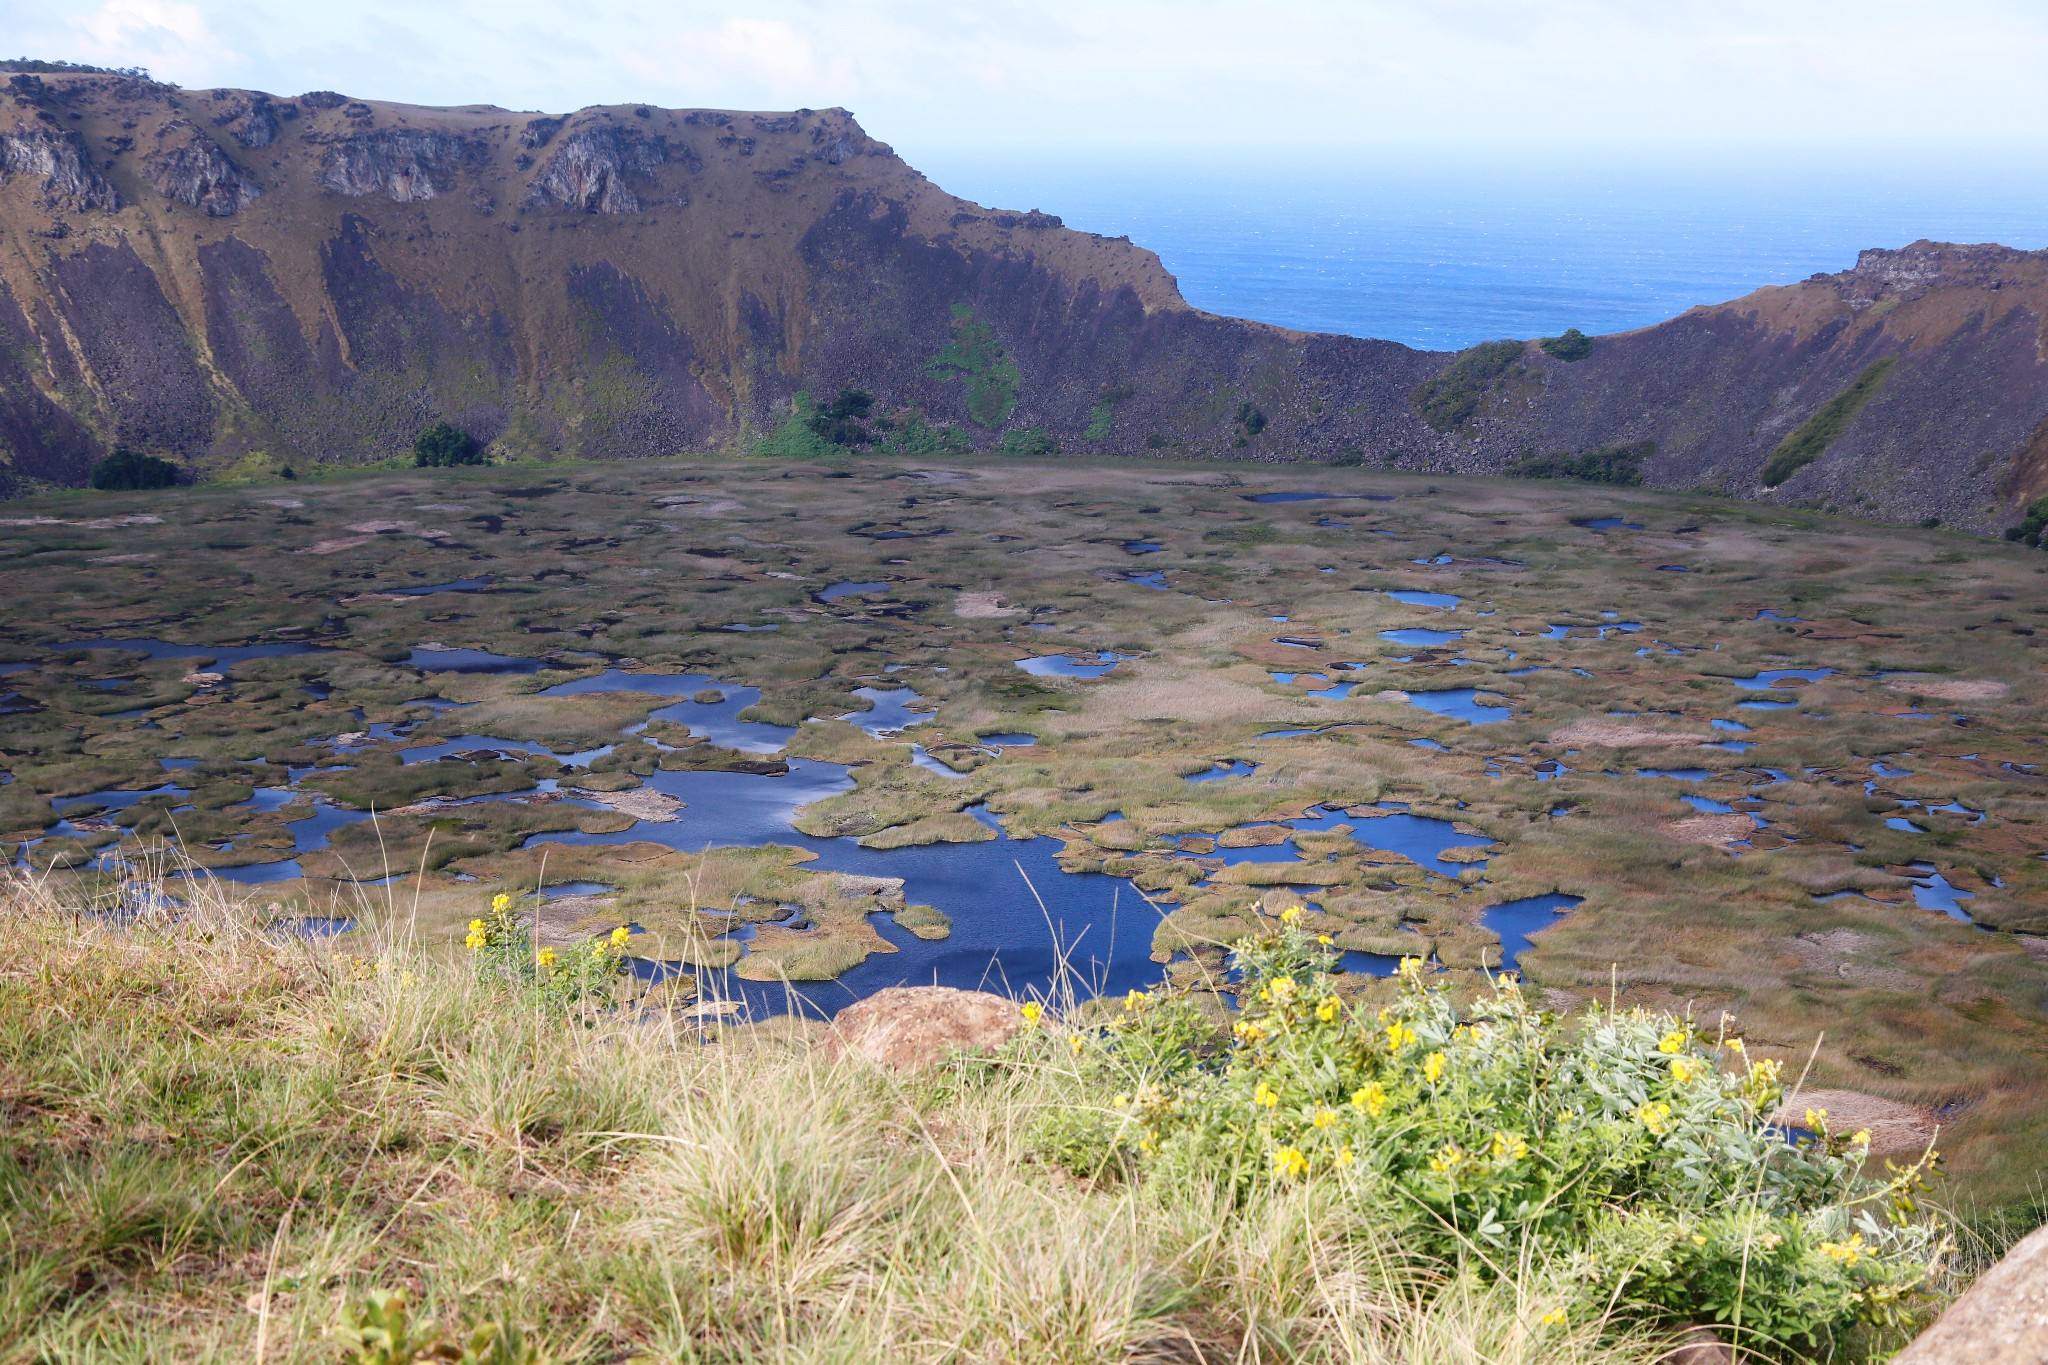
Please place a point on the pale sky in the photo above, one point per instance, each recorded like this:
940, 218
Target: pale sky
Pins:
1188, 79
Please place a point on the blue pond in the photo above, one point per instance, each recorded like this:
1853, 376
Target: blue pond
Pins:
1009, 741
1236, 768
891, 713
1073, 665
223, 656
1460, 703
716, 721
1516, 921
471, 661
1770, 676
1442, 601
1607, 524
452, 585
839, 590
1420, 637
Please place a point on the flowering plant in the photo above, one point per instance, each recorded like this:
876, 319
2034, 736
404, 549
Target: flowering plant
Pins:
1629, 1146
560, 979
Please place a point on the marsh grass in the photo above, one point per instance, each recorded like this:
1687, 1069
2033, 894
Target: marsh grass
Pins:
219, 1140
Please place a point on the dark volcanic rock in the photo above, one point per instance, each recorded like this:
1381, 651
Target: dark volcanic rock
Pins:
58, 159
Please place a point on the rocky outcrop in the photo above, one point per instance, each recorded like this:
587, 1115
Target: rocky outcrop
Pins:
58, 160
2001, 1320
406, 165
905, 1028
198, 174
590, 169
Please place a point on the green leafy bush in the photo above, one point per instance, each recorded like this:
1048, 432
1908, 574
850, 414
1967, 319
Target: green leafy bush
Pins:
444, 444
2032, 524
1630, 1147
126, 470
1032, 441
1447, 400
1573, 345
1617, 464
1818, 432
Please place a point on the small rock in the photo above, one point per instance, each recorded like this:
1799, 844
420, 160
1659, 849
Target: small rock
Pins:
1699, 1346
907, 1027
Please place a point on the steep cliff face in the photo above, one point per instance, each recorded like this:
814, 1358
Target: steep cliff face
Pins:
1949, 342
204, 274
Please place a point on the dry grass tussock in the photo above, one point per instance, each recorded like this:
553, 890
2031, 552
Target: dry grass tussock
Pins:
219, 1138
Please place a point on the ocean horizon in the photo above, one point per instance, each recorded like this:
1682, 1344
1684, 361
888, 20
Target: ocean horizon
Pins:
1442, 252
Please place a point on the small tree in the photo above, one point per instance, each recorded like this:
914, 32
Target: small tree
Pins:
444, 444
127, 469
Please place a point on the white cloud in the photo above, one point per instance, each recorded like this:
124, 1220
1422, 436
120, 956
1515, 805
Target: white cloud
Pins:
1264, 76
147, 32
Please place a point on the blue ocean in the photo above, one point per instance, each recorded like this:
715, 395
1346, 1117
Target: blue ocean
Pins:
1444, 250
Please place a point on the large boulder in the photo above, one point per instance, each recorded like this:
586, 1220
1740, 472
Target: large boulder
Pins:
907, 1027
2002, 1320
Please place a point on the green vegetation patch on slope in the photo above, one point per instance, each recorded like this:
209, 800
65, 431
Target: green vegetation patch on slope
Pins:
1818, 432
1572, 346
1616, 464
1447, 400
977, 355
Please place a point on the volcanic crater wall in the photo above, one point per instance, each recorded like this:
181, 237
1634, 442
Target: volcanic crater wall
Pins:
212, 274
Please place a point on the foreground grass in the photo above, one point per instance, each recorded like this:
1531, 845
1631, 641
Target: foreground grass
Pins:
215, 1144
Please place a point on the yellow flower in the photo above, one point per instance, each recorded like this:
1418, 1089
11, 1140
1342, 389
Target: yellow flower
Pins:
1656, 1117
1737, 1046
1344, 1157
1817, 1119
500, 903
620, 935
1074, 1045
1324, 1117
1372, 1098
1509, 1147
1846, 1253
1765, 1072
1399, 1035
545, 957
1411, 968
1698, 1240
1032, 1012
1249, 1030
1684, 1070
1147, 1144
1265, 1096
1860, 1138
1448, 1158
1327, 1011
478, 937
1672, 1042
1120, 1102
1433, 1067
1325, 940
1283, 989
1289, 1163
1554, 1318
1135, 1001
1292, 914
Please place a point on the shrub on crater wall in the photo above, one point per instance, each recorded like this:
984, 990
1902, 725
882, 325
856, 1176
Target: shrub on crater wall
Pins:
444, 444
126, 470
